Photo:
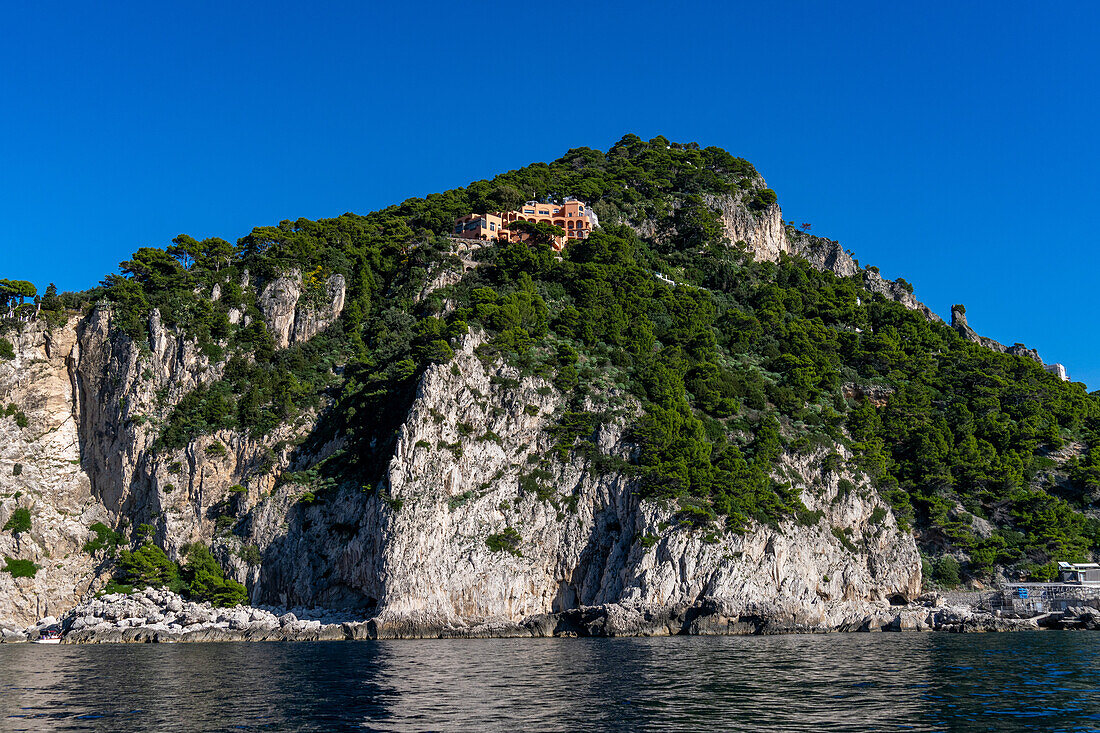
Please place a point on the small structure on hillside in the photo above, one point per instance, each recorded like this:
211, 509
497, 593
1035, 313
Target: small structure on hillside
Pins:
1079, 573
574, 217
1078, 586
1057, 370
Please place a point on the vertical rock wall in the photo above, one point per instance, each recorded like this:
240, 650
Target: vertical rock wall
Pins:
40, 472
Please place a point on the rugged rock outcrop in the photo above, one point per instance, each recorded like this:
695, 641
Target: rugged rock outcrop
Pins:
40, 457
292, 319
473, 470
765, 236
160, 616
480, 526
763, 232
960, 324
824, 254
92, 400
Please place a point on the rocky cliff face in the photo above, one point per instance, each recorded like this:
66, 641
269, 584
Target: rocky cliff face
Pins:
960, 324
473, 466
472, 469
586, 539
40, 471
292, 319
477, 521
766, 237
763, 232
93, 400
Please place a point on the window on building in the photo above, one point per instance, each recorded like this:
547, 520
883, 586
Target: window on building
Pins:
528, 211
492, 226
545, 213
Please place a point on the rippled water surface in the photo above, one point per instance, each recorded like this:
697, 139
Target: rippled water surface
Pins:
1023, 681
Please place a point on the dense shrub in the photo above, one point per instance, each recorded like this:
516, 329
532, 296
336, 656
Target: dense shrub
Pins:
20, 568
506, 541
147, 566
200, 578
206, 581
946, 571
105, 538
13, 411
19, 521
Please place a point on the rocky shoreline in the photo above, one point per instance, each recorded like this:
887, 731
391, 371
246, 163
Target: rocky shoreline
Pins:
160, 616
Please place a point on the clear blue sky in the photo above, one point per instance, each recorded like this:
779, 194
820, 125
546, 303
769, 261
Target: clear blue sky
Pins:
953, 144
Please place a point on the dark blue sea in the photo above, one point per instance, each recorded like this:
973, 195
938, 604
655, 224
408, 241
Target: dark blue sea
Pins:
1045, 681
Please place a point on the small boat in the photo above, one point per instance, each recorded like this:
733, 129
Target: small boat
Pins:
49, 636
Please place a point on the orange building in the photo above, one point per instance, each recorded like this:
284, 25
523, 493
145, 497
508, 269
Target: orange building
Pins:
574, 217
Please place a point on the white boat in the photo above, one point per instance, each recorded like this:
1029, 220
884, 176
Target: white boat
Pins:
49, 637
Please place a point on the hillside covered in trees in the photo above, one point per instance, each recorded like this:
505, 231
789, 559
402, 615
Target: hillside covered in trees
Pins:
722, 363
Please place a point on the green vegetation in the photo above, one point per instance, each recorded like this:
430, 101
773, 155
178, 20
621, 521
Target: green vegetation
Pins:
105, 539
19, 568
14, 295
7, 351
12, 411
506, 541
200, 577
147, 566
206, 581
946, 572
19, 521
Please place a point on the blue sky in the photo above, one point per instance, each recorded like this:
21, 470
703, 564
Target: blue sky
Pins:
952, 144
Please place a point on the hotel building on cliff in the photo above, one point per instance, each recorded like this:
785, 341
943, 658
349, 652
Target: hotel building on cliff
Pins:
576, 218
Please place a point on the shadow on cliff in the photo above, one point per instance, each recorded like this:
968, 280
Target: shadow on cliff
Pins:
327, 555
597, 578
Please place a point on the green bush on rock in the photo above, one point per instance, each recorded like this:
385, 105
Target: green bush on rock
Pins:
506, 541
20, 568
206, 581
200, 578
19, 521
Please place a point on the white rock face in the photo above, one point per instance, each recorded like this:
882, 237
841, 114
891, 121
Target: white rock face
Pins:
93, 399
762, 232
292, 320
40, 471
437, 568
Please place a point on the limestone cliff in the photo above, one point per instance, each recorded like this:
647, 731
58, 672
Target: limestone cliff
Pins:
765, 236
419, 485
93, 400
40, 471
584, 538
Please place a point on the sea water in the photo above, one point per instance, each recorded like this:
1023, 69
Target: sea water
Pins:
917, 682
